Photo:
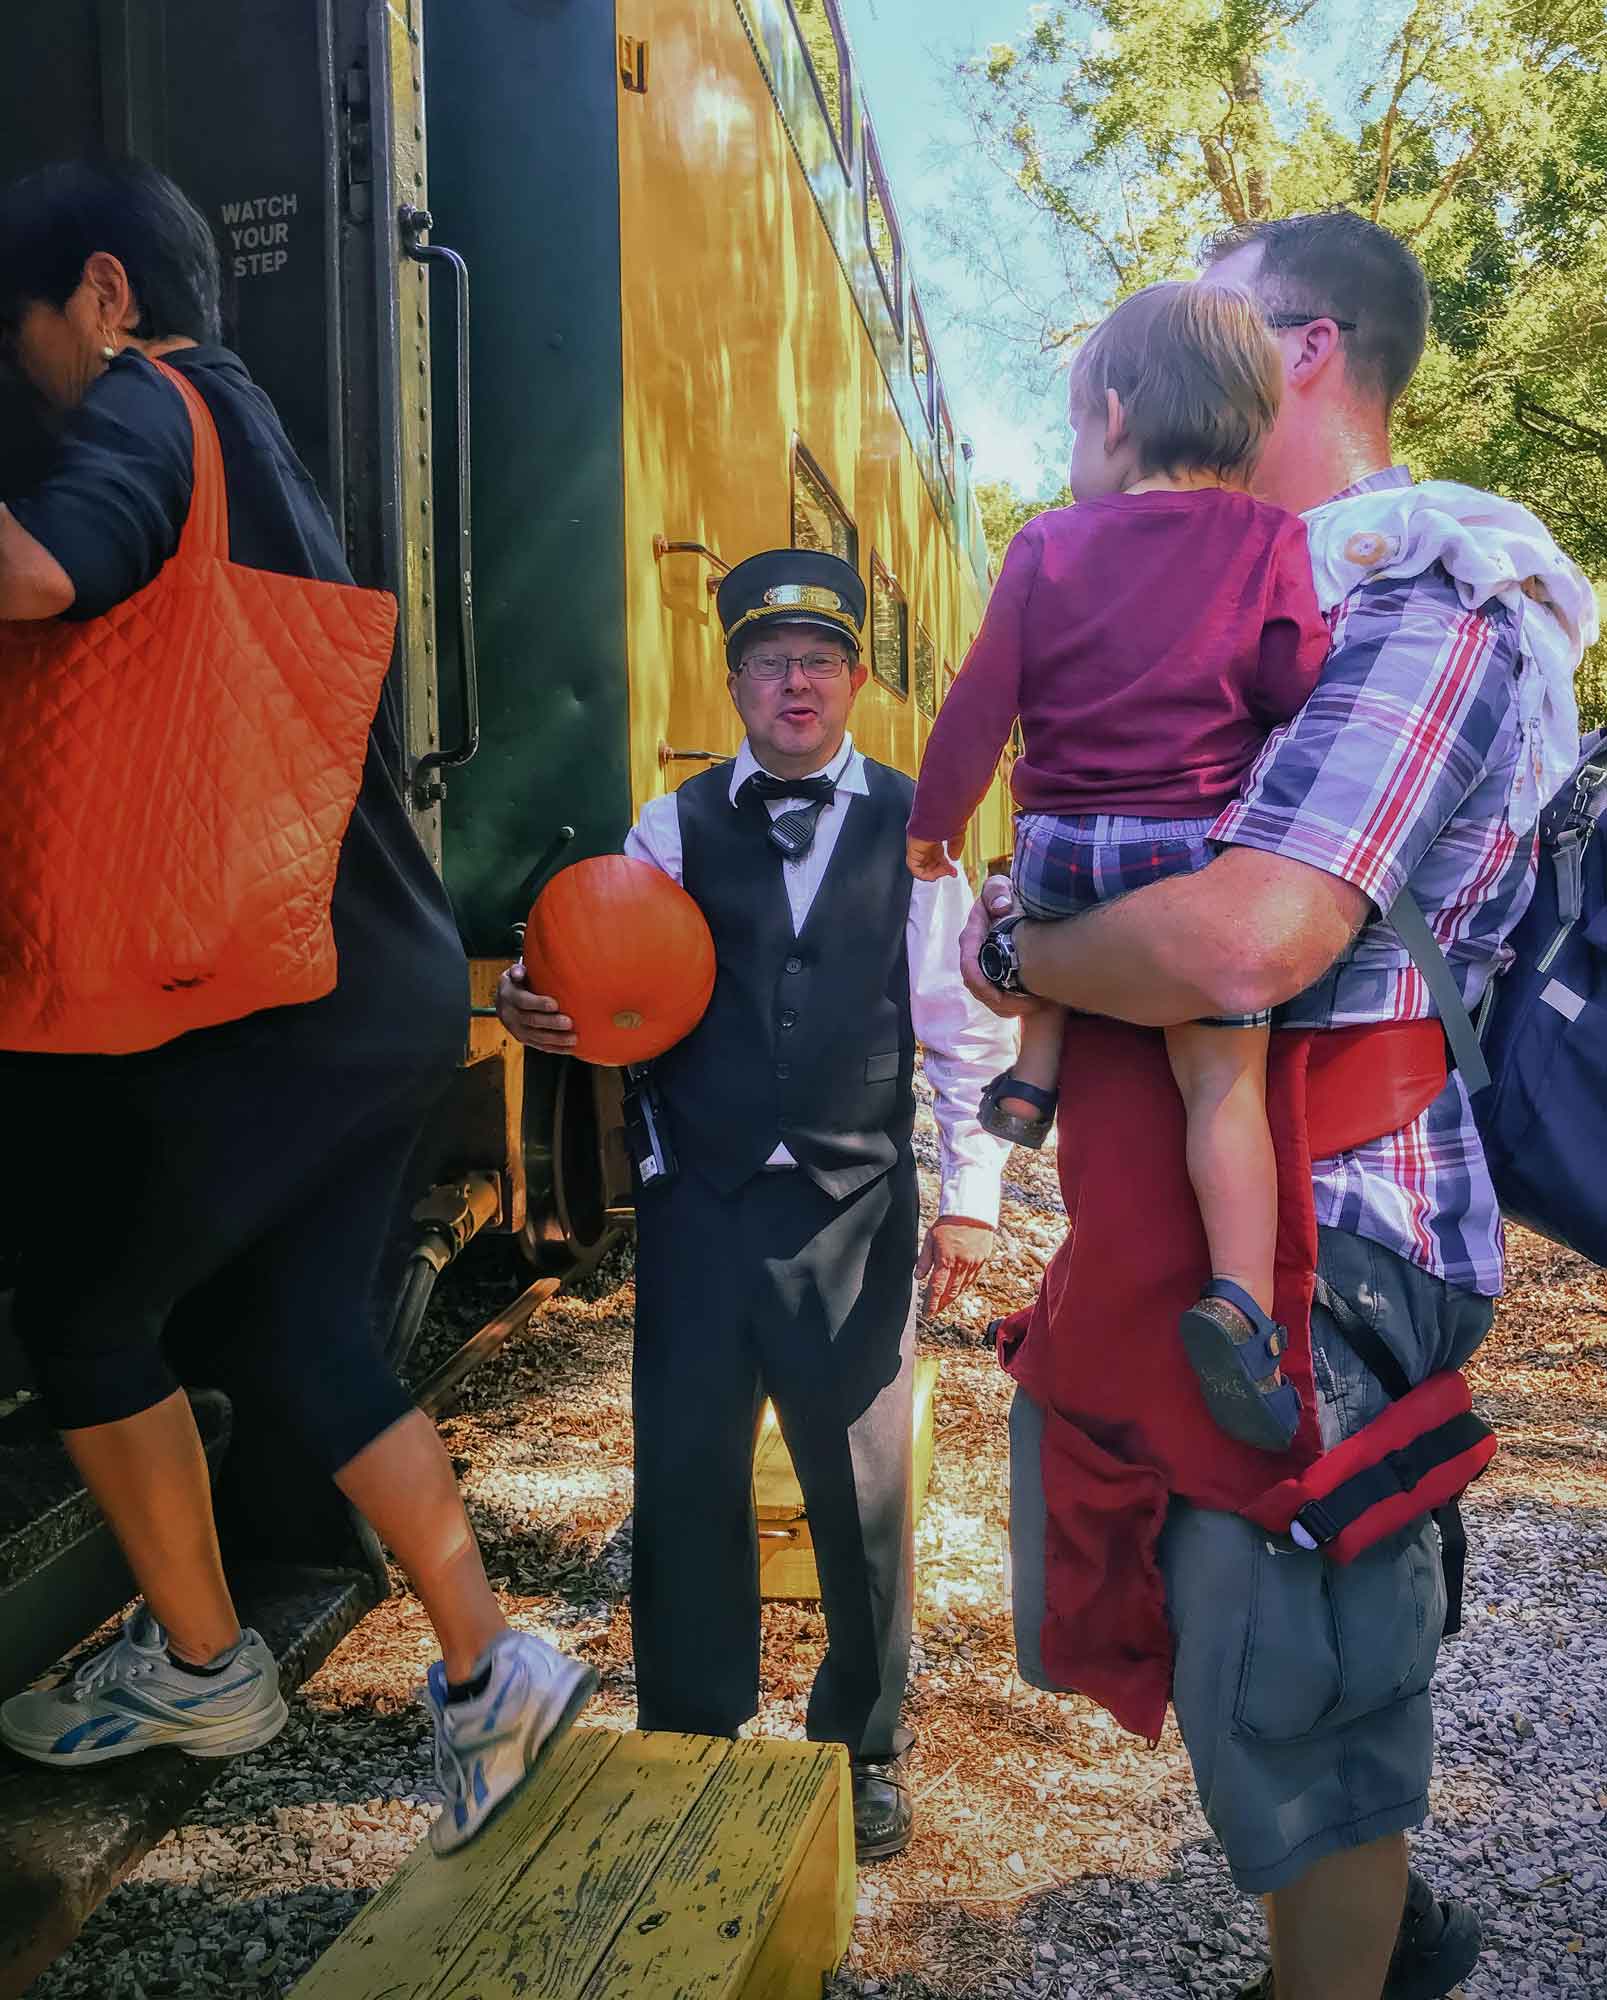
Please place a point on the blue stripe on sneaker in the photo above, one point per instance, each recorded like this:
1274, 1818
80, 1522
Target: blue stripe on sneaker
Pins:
518, 1677
64, 1744
480, 1789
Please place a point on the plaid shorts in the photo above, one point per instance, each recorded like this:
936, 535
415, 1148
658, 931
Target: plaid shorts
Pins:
1064, 865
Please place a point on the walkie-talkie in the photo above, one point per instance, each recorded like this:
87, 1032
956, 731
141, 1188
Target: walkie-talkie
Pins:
794, 830
646, 1131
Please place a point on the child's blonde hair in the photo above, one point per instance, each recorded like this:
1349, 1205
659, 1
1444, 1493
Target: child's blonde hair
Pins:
1198, 373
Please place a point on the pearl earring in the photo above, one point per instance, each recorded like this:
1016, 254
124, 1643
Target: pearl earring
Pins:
108, 349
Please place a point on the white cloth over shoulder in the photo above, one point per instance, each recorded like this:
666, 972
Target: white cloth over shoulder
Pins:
1489, 547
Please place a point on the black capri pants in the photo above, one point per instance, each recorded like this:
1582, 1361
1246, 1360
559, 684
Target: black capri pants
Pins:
233, 1189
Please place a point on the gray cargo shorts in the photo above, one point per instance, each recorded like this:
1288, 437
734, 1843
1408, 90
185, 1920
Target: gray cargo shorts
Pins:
1301, 1687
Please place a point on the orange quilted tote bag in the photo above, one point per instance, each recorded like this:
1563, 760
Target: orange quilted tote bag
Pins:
182, 772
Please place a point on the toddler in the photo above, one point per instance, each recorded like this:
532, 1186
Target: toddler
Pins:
1148, 639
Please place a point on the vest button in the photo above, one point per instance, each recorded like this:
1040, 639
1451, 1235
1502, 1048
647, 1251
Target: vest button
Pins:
793, 965
789, 1017
782, 1070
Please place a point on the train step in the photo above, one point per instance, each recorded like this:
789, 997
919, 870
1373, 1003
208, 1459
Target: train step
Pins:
68, 1838
61, 1572
786, 1548
633, 1866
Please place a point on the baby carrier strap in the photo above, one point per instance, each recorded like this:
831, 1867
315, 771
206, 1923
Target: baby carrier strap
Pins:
1419, 1457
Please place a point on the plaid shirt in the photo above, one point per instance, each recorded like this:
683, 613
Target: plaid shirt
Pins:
1396, 773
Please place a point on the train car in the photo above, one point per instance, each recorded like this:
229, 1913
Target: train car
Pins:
566, 308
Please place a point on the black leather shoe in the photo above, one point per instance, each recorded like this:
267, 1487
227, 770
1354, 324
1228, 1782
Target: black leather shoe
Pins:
884, 1816
1437, 1948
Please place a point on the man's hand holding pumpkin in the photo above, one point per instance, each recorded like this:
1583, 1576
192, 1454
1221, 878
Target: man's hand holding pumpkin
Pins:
532, 1018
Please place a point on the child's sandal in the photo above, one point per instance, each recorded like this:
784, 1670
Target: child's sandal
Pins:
1011, 1125
1231, 1371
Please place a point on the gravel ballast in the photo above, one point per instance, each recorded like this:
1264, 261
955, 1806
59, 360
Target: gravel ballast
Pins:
1055, 1858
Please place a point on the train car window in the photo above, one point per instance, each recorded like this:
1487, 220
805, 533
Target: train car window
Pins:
945, 440
921, 359
821, 31
881, 232
889, 631
925, 671
819, 518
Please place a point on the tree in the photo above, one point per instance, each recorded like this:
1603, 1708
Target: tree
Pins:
1128, 131
1006, 511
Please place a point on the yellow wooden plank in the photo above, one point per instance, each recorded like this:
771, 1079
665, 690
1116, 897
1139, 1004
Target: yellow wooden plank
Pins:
775, 1484
554, 1927
813, 1925
406, 1942
737, 1868
787, 1568
925, 1427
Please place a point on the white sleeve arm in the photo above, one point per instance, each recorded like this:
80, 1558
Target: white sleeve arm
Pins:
656, 837
966, 1046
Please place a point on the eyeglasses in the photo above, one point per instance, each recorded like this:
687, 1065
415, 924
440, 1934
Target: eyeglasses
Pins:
772, 666
1285, 320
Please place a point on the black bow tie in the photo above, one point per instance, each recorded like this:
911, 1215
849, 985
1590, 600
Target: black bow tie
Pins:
762, 786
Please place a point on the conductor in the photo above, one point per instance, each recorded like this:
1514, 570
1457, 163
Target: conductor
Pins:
779, 1259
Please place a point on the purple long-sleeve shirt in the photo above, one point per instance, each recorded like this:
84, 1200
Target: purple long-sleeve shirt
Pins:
1148, 643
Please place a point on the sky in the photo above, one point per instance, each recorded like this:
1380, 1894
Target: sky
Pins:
905, 51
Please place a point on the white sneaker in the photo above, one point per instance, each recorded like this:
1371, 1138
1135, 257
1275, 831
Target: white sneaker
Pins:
131, 1697
486, 1748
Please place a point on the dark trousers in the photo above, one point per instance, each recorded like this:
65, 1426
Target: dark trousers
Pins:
775, 1290
243, 1195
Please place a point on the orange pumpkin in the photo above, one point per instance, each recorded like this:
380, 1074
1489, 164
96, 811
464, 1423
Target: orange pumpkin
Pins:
625, 952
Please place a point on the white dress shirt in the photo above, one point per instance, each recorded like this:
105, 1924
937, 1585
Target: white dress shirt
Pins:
965, 1044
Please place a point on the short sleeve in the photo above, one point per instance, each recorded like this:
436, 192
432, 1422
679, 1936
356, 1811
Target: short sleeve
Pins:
1398, 732
1294, 638
112, 505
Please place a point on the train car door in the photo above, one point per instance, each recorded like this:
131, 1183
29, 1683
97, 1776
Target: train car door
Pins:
296, 126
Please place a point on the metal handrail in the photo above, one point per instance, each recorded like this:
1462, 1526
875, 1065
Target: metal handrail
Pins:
427, 789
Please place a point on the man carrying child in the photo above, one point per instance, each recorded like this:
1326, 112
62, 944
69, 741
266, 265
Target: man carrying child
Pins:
1443, 715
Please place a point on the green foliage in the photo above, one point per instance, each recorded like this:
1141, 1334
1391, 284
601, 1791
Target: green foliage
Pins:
1005, 512
1131, 130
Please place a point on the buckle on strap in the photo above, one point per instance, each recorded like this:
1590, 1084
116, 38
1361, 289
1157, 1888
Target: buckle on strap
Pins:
1318, 1523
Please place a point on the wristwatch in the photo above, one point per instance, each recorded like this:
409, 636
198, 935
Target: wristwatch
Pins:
997, 959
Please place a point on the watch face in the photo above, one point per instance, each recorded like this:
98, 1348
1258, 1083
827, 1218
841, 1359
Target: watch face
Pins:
996, 961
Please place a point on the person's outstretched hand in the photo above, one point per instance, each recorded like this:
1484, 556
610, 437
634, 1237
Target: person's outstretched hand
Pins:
928, 860
954, 1252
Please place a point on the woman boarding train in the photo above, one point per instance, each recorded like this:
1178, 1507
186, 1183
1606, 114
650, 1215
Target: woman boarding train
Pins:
259, 1160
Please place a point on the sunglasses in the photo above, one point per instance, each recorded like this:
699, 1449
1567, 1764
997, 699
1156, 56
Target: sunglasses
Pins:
1285, 320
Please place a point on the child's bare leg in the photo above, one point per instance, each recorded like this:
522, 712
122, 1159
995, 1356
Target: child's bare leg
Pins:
1038, 1061
1221, 1073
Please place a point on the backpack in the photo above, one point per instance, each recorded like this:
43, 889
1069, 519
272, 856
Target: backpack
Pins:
1536, 1063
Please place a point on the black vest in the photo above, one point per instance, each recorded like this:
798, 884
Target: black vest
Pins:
807, 1039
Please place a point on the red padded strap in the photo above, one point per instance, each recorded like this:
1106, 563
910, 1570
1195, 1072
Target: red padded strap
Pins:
206, 528
1432, 1404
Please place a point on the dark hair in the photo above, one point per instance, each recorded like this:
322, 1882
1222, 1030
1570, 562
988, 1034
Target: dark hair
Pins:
53, 221
1342, 266
1197, 373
